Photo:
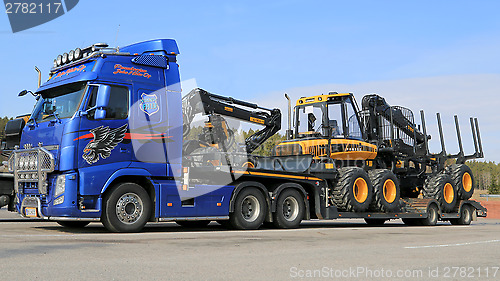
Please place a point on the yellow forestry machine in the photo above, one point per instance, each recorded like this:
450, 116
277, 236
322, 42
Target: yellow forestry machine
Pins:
382, 159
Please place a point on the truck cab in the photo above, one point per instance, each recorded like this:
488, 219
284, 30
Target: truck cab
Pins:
97, 119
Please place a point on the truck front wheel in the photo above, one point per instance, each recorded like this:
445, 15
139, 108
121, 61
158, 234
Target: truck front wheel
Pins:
249, 209
126, 208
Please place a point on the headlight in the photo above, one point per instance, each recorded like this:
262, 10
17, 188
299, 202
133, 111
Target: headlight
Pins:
71, 55
60, 185
65, 58
78, 53
59, 60
32, 162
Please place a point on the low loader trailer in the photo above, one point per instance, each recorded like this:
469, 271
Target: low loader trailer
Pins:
112, 140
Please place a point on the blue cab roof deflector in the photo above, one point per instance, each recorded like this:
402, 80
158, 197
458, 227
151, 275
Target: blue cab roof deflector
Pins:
167, 45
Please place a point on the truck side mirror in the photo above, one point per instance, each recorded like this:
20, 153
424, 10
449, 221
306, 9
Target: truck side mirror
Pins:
102, 101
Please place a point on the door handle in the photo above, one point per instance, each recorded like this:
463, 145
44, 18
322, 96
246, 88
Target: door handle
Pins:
123, 150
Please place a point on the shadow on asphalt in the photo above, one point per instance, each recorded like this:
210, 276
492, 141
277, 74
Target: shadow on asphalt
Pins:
98, 228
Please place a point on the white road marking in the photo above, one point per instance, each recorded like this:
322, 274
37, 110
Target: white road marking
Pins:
453, 245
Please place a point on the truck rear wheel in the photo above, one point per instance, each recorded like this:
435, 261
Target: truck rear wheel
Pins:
442, 188
126, 209
462, 177
73, 224
465, 216
386, 191
290, 209
353, 191
250, 209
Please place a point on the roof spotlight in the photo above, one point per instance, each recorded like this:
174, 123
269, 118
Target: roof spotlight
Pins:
71, 55
59, 60
55, 63
78, 53
65, 58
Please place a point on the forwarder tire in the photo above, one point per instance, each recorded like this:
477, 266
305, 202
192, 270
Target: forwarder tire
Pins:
353, 191
442, 188
432, 216
250, 209
126, 208
290, 209
465, 216
386, 191
193, 224
73, 224
461, 175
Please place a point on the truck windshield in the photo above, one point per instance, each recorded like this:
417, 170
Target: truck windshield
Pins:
62, 102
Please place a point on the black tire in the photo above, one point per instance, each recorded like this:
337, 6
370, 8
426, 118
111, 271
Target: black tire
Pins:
466, 213
375, 221
461, 175
442, 188
193, 224
126, 208
73, 224
353, 191
386, 190
432, 216
412, 222
290, 209
250, 209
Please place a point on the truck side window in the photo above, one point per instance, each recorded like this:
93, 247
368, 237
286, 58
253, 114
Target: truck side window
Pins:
117, 105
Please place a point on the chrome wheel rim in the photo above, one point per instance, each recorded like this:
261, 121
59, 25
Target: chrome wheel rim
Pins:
129, 208
250, 208
290, 208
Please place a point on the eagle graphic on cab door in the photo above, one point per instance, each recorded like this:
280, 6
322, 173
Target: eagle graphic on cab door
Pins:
105, 140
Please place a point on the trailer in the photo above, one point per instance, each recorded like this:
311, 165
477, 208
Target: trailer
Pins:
112, 140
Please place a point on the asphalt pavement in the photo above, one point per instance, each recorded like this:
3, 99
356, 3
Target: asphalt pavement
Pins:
324, 250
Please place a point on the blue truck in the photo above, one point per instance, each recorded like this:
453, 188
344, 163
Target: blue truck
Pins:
111, 139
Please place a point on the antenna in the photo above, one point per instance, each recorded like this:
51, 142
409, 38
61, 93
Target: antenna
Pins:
117, 31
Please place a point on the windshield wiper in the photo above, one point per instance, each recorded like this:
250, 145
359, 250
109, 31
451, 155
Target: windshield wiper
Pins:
34, 122
55, 114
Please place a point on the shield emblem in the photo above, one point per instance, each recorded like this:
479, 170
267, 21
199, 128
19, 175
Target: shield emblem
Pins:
149, 104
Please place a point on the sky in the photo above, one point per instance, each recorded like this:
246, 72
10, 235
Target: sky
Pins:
439, 56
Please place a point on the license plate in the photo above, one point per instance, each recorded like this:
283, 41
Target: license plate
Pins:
31, 212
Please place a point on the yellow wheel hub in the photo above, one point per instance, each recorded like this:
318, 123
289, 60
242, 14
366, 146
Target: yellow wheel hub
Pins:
467, 182
389, 191
449, 193
360, 189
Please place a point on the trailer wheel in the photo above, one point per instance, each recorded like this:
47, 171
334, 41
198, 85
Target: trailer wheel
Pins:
73, 224
193, 224
249, 209
375, 221
462, 177
465, 216
290, 209
442, 188
126, 209
386, 191
353, 191
432, 216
